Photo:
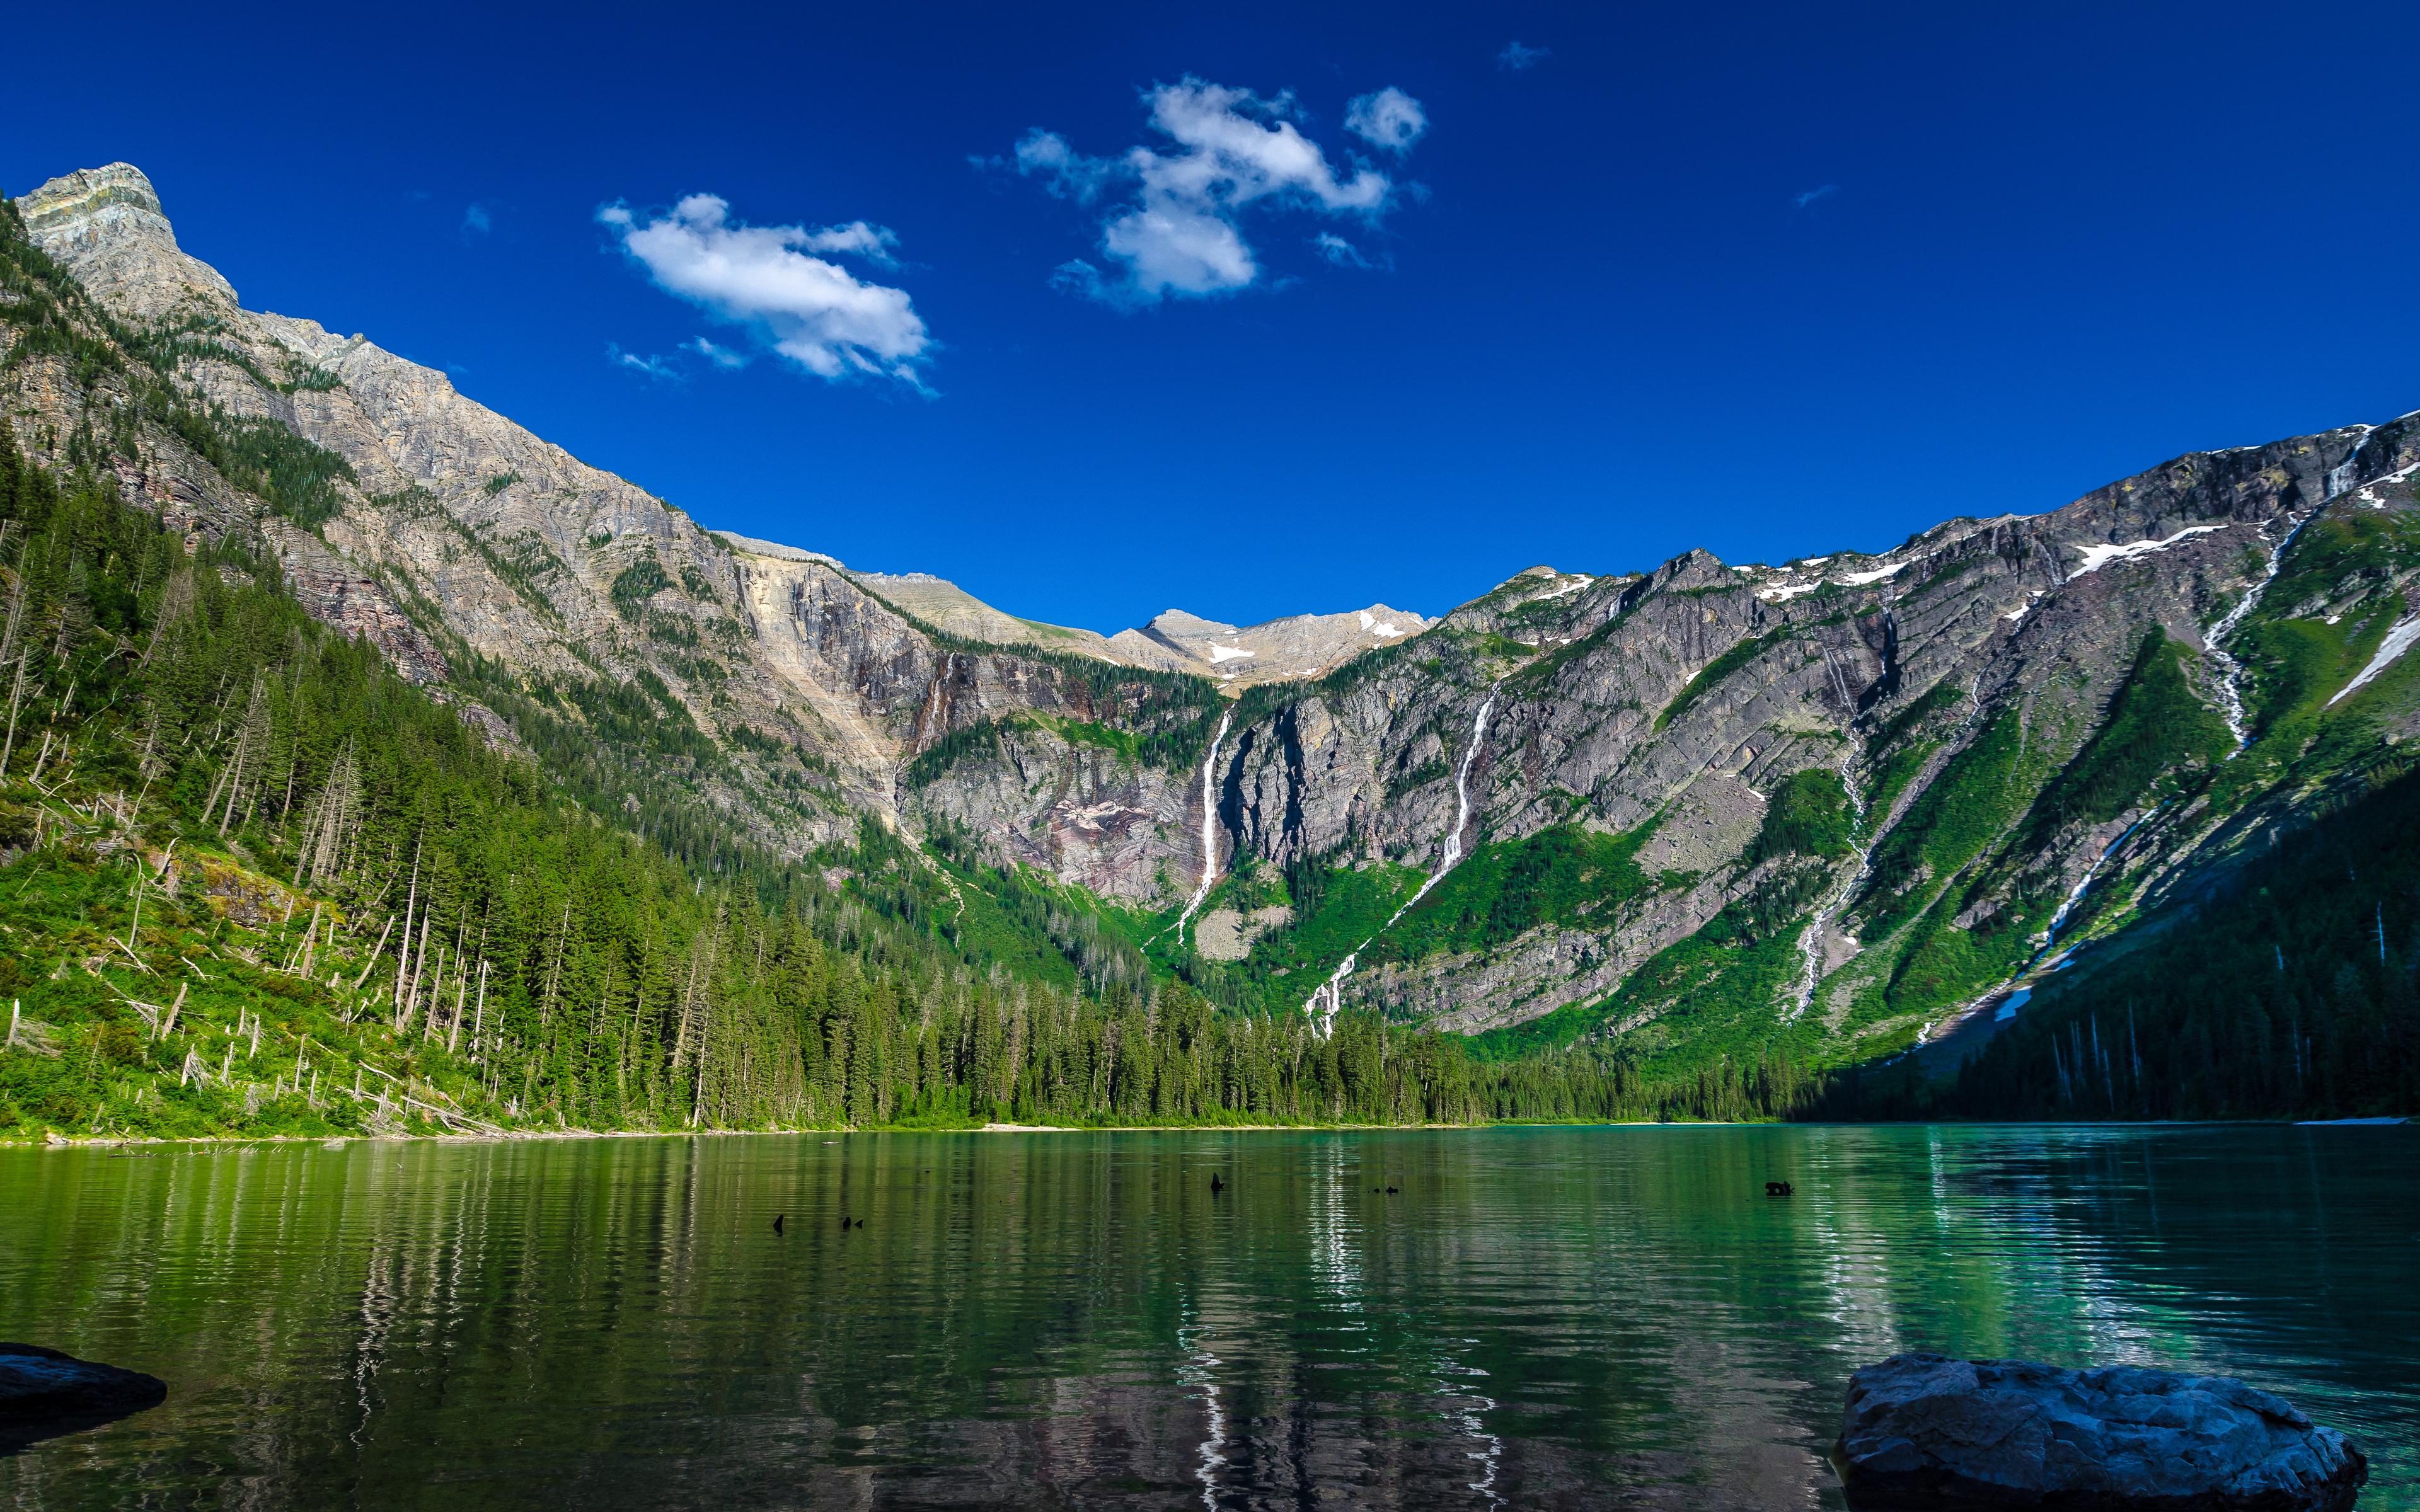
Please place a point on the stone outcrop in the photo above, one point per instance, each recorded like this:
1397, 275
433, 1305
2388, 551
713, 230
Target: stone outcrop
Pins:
45, 1393
1292, 650
1924, 1431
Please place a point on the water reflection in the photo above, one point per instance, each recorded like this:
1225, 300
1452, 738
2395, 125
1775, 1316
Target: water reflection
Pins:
1532, 1317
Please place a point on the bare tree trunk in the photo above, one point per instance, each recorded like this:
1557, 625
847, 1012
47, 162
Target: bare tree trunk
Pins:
16, 697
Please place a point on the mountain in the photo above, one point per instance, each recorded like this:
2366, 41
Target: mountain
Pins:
1697, 816
1281, 651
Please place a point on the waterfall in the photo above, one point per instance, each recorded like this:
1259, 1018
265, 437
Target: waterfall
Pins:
2230, 684
1810, 944
1209, 825
2075, 894
1327, 998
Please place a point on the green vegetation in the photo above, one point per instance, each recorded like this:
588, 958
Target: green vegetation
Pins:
2156, 727
641, 580
1564, 875
1808, 814
979, 739
1966, 808
2291, 991
501, 481
1713, 674
1714, 998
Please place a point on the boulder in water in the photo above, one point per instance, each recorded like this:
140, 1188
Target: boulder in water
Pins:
1924, 1431
44, 1394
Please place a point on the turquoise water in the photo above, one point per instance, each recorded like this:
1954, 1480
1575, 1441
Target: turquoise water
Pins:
1576, 1317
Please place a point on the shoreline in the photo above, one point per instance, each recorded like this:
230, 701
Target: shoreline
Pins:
517, 1137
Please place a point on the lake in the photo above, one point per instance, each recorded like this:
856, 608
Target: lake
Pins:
1529, 1318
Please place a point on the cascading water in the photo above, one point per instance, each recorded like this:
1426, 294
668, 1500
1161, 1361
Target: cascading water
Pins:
2050, 940
2230, 682
2083, 884
1209, 825
1325, 1001
1810, 944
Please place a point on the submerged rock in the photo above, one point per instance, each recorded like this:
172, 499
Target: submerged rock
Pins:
1927, 1432
44, 1394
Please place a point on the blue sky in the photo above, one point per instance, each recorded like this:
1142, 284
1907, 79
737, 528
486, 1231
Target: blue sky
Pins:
1767, 280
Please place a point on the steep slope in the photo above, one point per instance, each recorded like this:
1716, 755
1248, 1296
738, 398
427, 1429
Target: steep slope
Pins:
259, 883
772, 686
1708, 813
1821, 807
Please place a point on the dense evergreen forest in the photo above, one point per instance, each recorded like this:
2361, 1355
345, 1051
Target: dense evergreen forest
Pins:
255, 882
251, 881
2292, 989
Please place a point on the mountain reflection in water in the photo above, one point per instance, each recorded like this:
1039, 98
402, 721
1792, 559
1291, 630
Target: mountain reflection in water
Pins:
1533, 1317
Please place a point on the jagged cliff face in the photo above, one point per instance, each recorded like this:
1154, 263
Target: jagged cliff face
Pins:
1830, 803
464, 538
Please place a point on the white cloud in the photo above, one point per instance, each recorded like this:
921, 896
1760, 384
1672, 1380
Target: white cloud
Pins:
871, 242
654, 367
476, 222
1809, 196
1337, 250
1176, 229
1516, 57
719, 356
1390, 119
815, 313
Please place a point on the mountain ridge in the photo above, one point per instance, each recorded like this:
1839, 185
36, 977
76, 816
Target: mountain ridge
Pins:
1704, 809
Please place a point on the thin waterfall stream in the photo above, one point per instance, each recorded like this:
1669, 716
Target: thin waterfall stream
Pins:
2230, 684
1209, 825
1810, 944
1327, 998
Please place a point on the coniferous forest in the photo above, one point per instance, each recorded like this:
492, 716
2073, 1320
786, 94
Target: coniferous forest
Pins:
252, 881
256, 883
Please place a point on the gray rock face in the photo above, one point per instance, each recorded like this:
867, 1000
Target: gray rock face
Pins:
1669, 708
1291, 650
1926, 1431
44, 1393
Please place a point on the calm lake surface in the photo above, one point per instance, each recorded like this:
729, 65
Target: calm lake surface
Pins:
1536, 1318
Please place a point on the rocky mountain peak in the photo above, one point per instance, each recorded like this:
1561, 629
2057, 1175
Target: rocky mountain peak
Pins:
108, 223
88, 189
1287, 649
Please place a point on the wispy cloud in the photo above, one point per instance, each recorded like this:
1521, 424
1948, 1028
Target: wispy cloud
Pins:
1390, 119
1516, 57
719, 356
1338, 250
762, 279
654, 367
1806, 197
1175, 228
476, 222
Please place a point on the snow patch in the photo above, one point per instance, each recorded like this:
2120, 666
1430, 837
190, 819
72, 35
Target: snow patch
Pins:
1858, 579
1220, 652
2097, 557
2397, 641
1786, 592
2017, 615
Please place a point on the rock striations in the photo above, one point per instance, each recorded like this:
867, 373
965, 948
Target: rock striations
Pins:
1841, 798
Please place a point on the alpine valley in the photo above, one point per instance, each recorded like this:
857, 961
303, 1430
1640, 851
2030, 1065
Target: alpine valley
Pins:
374, 763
